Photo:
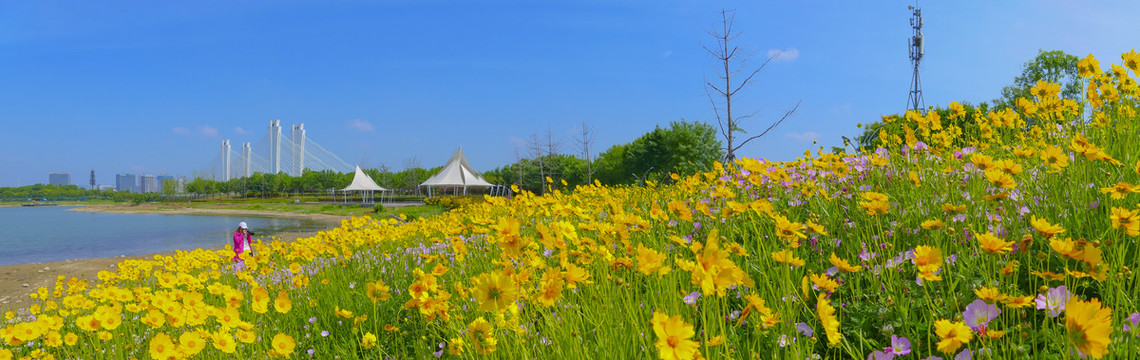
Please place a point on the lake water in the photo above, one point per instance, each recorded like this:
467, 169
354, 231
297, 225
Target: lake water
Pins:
44, 234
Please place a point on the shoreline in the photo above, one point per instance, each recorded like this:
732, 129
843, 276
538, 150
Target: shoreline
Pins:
20, 280
145, 209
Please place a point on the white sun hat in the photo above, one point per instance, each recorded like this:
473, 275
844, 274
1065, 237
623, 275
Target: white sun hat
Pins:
242, 225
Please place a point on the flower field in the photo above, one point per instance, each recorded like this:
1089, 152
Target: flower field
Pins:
1011, 238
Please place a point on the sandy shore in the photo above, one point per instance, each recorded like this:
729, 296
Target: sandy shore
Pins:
18, 281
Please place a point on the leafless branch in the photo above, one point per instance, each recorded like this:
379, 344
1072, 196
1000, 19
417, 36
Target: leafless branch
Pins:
585, 141
733, 62
749, 78
773, 126
716, 112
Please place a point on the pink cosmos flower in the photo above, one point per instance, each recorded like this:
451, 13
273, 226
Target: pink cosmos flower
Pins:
805, 329
899, 346
964, 355
692, 297
1053, 300
1135, 320
979, 313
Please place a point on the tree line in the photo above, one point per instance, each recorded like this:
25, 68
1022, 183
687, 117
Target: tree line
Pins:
683, 148
39, 192
273, 185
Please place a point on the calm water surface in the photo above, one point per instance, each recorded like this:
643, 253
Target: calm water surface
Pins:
43, 234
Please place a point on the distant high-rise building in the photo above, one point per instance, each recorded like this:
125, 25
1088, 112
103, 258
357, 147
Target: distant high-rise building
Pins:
162, 181
125, 182
61, 179
148, 184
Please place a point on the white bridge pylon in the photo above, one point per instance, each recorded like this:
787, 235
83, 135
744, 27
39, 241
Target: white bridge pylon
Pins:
275, 154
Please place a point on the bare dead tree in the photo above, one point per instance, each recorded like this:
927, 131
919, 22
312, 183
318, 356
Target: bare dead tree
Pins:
735, 62
385, 175
585, 141
518, 163
552, 146
539, 148
412, 166
535, 147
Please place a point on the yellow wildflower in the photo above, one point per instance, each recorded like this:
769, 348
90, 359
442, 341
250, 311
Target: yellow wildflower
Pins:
843, 264
953, 334
1089, 326
993, 244
282, 345
826, 314
673, 337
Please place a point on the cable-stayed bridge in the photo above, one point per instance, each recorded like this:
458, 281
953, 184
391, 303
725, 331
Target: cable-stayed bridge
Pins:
274, 154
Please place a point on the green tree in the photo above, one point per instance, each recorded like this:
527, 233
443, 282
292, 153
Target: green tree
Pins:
693, 148
558, 167
1053, 66
611, 165
684, 148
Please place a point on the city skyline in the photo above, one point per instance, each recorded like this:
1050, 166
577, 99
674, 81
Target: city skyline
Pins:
145, 87
64, 179
97, 183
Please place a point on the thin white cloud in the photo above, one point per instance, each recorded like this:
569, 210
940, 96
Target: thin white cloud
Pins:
844, 108
208, 131
204, 130
784, 55
806, 136
361, 125
240, 131
667, 53
15, 158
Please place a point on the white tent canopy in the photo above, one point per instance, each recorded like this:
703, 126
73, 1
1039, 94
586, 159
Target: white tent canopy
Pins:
363, 182
457, 173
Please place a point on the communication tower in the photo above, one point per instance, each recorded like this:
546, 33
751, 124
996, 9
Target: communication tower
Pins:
92, 179
917, 49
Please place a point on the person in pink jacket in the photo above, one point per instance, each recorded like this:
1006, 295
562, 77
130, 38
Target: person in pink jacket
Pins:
242, 240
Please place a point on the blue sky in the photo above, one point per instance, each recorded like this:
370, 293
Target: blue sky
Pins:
154, 87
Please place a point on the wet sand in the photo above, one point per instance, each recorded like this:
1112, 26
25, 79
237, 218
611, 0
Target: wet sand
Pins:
18, 281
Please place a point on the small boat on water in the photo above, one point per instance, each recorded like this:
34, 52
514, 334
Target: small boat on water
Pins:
39, 204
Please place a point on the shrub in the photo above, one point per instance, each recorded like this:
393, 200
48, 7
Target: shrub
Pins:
451, 202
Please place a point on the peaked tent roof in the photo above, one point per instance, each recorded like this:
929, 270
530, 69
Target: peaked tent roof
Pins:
457, 172
362, 181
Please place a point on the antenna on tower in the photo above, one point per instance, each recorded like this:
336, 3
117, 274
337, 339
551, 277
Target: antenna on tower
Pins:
917, 49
